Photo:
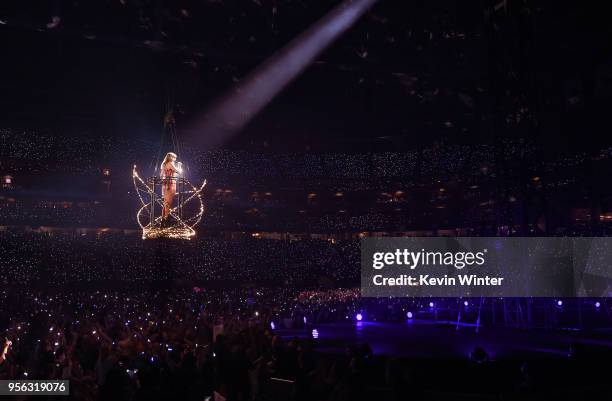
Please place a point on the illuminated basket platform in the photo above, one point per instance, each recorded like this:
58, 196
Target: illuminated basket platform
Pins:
170, 232
183, 215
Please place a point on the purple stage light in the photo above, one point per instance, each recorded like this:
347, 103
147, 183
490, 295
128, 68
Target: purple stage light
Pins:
597, 304
431, 304
315, 333
465, 303
272, 325
359, 317
559, 303
409, 315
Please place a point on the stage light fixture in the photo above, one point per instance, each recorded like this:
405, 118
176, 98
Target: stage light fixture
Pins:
479, 355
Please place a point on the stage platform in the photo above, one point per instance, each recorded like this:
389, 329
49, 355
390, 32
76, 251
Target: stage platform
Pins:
447, 340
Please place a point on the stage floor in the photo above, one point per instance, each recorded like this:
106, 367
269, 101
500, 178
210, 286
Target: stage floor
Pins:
435, 340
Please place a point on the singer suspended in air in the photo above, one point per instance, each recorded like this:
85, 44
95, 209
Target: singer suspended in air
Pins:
170, 205
171, 170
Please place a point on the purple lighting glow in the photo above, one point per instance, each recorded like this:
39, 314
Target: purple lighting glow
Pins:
359, 317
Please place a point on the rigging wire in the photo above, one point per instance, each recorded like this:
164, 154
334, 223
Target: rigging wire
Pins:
166, 131
169, 141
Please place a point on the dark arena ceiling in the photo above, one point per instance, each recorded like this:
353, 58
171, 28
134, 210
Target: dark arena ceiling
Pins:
406, 75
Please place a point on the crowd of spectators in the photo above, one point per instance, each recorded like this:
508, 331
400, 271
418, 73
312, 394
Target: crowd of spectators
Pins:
245, 344
443, 186
33, 151
60, 259
126, 319
164, 344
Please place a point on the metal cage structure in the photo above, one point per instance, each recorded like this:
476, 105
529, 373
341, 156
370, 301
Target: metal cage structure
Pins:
185, 213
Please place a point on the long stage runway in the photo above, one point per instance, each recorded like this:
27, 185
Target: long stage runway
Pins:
435, 340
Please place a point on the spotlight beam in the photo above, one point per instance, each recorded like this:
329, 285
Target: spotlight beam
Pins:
237, 108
